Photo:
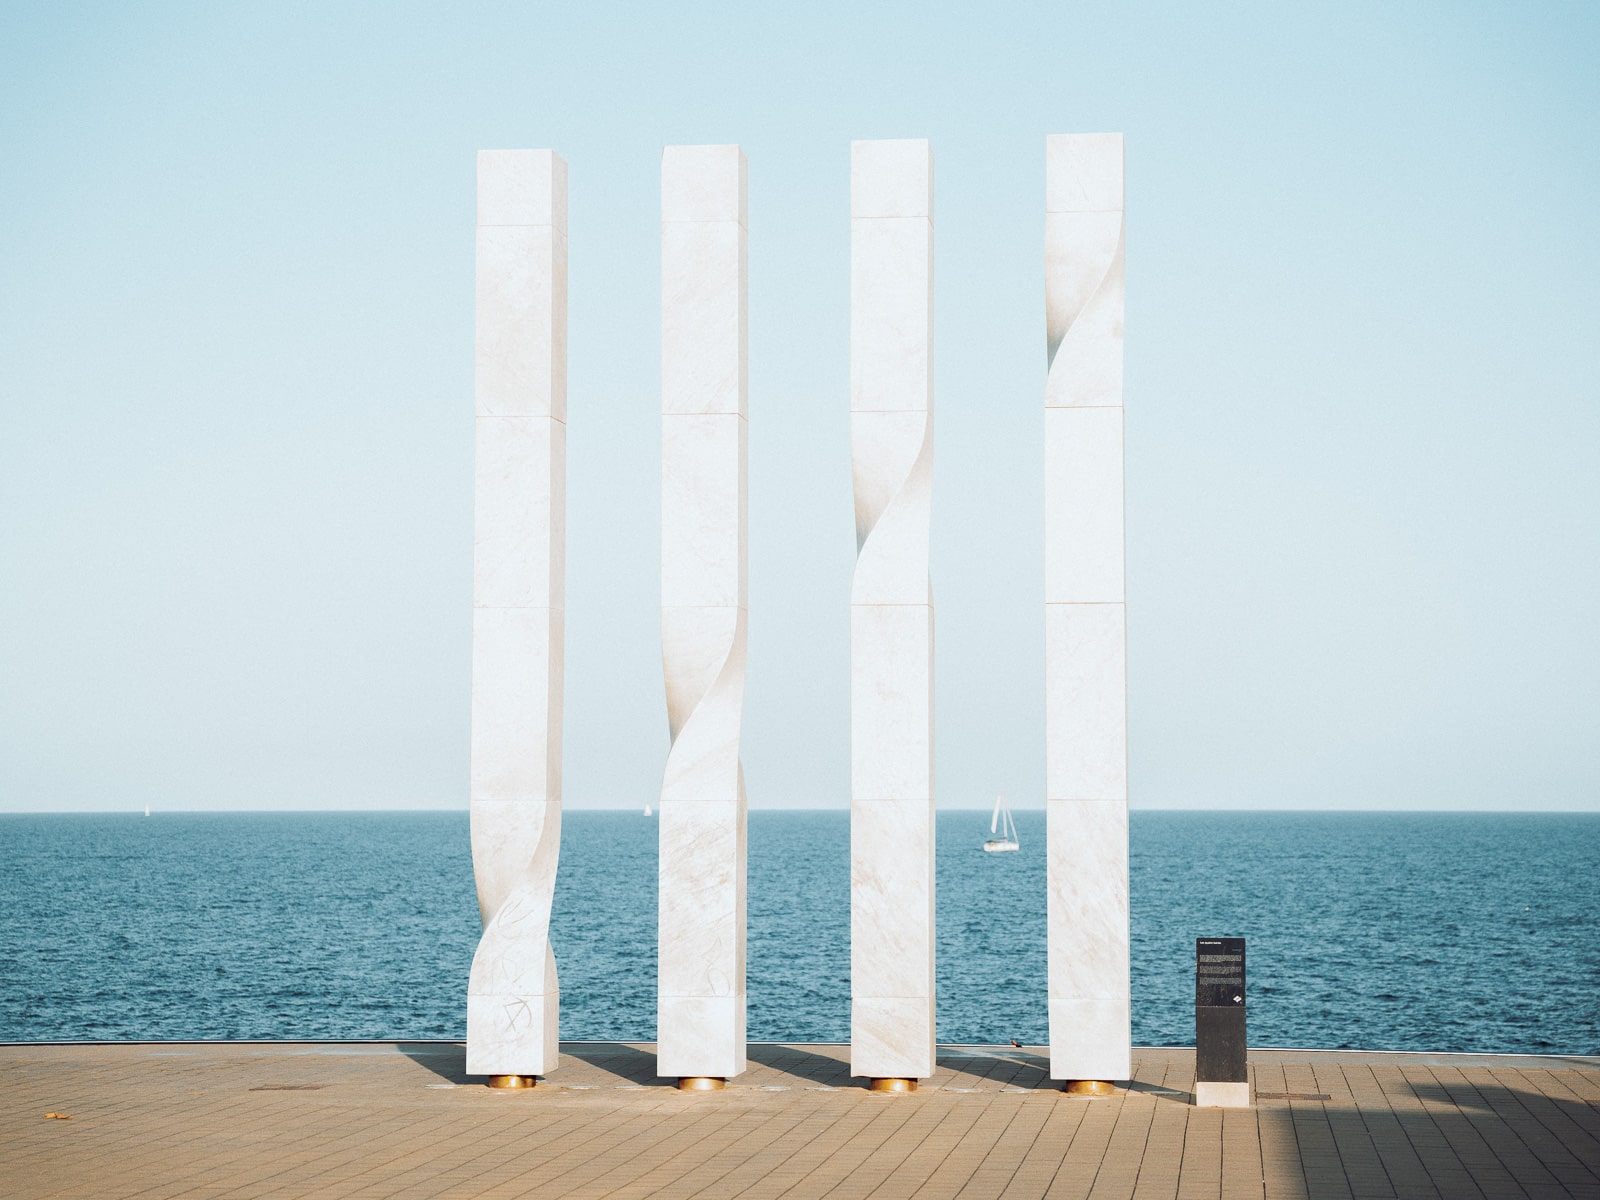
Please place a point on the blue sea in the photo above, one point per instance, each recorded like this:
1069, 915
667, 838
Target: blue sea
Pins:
1381, 931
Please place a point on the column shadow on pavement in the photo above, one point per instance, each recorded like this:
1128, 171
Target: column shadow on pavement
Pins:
627, 1063
447, 1060
802, 1062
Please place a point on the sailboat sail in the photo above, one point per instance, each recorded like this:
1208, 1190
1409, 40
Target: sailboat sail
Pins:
1003, 823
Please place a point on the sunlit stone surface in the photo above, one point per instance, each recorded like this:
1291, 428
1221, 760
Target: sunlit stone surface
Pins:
518, 581
701, 1007
1085, 629
891, 611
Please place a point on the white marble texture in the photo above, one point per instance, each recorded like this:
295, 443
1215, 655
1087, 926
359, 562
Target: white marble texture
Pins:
703, 661
892, 472
1083, 505
892, 873
516, 705
891, 702
1085, 670
703, 366
891, 613
521, 360
512, 998
519, 497
704, 554
1087, 931
701, 996
1086, 774
891, 307
701, 1006
1083, 247
519, 524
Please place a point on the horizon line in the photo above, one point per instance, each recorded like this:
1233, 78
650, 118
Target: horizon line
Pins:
137, 810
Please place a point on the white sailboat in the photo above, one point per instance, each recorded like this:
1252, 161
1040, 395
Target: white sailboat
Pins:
1003, 824
648, 811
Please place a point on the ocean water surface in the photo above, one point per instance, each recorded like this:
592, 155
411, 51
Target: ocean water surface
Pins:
1465, 932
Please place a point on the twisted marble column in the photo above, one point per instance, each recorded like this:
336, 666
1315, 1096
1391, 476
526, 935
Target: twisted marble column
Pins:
701, 1005
1085, 640
891, 613
519, 527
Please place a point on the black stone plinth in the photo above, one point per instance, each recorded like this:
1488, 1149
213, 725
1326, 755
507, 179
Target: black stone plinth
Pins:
1219, 1011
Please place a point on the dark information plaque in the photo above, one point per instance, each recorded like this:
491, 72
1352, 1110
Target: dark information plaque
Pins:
1219, 1021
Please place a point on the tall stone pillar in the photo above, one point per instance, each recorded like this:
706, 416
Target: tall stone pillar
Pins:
891, 613
1085, 638
701, 1005
519, 525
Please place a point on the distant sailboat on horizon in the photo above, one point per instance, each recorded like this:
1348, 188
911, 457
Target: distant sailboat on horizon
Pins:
147, 810
1002, 822
648, 811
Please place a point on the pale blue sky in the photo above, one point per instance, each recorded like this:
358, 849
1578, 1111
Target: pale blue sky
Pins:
235, 389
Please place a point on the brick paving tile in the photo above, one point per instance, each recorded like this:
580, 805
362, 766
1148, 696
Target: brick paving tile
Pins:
1506, 1128
1159, 1164
1564, 1143
374, 1122
1525, 1114
1373, 1091
1243, 1174
1118, 1170
1442, 1093
1038, 1164
1200, 1169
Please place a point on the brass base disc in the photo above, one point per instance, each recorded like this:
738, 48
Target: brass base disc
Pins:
1089, 1087
892, 1085
701, 1083
513, 1081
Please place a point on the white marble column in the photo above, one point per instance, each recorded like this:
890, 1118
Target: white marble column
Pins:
1085, 640
891, 611
701, 1005
519, 526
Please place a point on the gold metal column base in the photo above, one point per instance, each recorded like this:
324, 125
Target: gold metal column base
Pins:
701, 1083
892, 1085
513, 1081
1089, 1087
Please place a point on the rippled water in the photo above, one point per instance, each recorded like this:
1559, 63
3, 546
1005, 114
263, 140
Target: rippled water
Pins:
1385, 931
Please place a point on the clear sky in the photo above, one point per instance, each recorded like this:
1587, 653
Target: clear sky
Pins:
1362, 354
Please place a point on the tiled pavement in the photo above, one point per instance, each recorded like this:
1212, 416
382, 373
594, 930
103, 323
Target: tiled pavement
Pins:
371, 1120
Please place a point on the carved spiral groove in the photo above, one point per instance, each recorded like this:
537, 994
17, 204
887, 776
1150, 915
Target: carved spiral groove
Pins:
1084, 272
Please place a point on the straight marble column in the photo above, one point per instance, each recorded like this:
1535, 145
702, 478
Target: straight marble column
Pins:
1085, 639
701, 1005
891, 613
519, 529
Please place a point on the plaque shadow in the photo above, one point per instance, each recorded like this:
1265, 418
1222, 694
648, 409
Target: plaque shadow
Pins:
1158, 1091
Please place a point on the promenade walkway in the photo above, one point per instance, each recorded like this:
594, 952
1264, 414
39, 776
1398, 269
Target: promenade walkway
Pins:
355, 1120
